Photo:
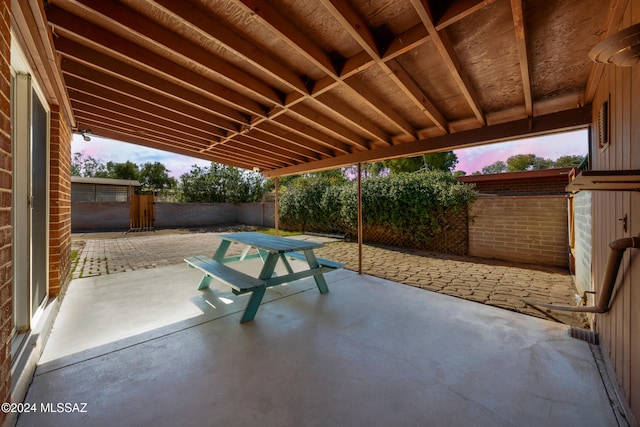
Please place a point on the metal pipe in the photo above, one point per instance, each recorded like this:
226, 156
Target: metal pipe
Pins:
618, 247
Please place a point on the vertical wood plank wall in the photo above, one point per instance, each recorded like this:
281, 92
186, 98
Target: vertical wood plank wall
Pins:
620, 328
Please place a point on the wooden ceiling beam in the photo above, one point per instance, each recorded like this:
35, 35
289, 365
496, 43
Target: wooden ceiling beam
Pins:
460, 9
293, 139
353, 23
302, 44
119, 135
261, 146
333, 127
79, 75
86, 42
258, 138
93, 124
161, 113
521, 42
577, 118
230, 40
290, 34
302, 129
250, 157
96, 111
448, 55
135, 76
114, 14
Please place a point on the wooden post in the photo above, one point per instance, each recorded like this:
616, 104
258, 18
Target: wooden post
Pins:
359, 218
277, 179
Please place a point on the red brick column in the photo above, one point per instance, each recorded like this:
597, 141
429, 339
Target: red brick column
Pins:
6, 270
60, 203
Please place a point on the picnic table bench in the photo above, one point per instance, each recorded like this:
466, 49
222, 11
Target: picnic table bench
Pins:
270, 249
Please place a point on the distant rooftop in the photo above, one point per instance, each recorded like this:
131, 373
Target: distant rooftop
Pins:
104, 181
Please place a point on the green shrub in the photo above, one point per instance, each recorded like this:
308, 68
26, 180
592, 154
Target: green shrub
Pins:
405, 202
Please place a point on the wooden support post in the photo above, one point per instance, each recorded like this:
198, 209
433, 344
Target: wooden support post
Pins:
276, 204
359, 218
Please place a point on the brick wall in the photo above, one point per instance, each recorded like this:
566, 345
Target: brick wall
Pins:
525, 183
6, 273
525, 188
520, 229
60, 203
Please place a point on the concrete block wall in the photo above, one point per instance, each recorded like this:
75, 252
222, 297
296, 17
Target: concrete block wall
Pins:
194, 214
100, 216
583, 230
202, 214
520, 229
259, 213
6, 162
115, 215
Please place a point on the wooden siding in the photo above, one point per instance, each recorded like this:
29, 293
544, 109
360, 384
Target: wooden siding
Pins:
620, 328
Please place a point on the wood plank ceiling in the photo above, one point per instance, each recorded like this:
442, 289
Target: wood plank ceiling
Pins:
288, 86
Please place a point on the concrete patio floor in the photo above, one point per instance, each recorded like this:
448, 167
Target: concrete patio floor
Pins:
146, 348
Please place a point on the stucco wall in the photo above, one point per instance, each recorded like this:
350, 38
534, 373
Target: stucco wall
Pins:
520, 229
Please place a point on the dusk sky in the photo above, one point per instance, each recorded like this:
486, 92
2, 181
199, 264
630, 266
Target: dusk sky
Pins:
469, 159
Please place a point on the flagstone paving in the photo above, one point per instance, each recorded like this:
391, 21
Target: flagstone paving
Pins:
496, 283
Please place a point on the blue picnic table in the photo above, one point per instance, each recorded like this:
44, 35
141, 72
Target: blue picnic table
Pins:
271, 250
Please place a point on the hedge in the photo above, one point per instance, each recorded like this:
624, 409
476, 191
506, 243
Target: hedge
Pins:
404, 203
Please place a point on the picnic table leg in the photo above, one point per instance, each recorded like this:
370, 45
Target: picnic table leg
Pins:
321, 283
253, 304
205, 282
286, 263
222, 250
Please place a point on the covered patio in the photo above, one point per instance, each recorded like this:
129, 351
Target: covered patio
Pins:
145, 347
288, 87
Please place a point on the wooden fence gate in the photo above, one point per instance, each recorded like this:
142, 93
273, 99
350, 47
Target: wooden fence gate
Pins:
141, 212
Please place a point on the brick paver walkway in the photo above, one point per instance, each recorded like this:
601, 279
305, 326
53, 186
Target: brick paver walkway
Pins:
496, 283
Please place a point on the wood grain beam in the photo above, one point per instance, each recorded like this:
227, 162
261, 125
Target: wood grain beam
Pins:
117, 16
460, 9
97, 111
447, 53
353, 23
119, 135
184, 113
521, 42
141, 106
290, 34
199, 21
306, 47
87, 38
577, 118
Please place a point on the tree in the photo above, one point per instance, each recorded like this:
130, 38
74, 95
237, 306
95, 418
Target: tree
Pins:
219, 183
569, 161
127, 170
443, 161
496, 167
405, 164
155, 176
524, 162
87, 166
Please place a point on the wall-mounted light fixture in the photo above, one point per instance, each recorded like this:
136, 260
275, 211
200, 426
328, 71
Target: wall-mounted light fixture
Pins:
85, 134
